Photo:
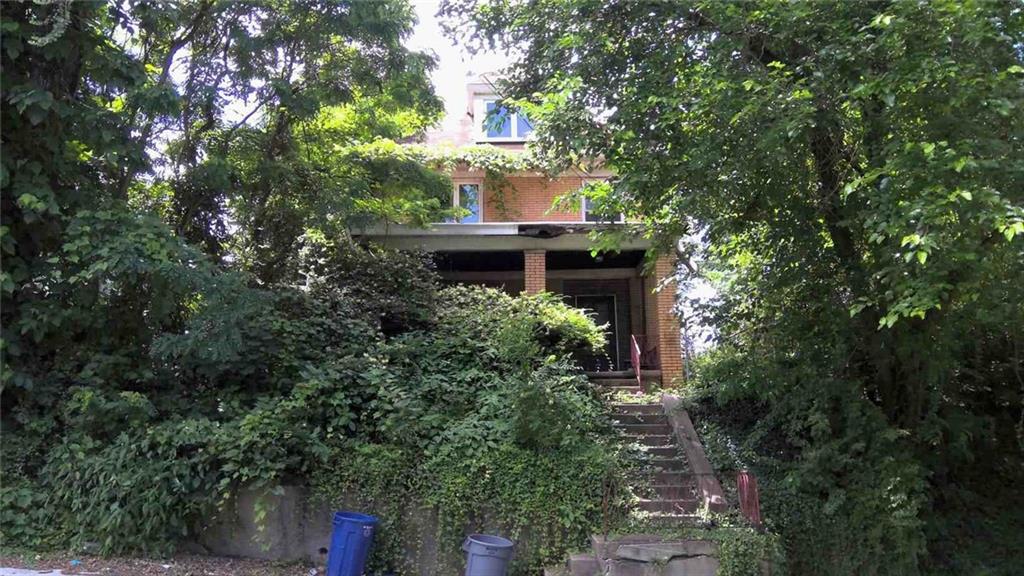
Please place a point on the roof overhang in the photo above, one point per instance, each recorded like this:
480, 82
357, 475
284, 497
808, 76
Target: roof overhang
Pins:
495, 236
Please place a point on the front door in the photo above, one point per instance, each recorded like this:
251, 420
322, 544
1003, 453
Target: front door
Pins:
602, 309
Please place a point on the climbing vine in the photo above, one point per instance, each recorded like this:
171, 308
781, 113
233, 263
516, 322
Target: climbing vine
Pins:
496, 163
483, 424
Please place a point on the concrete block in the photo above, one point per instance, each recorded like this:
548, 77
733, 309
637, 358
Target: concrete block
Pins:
631, 568
584, 565
606, 547
661, 552
692, 566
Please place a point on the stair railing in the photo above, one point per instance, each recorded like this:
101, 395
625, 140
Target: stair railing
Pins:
634, 356
750, 504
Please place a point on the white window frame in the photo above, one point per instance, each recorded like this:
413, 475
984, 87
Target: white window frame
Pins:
480, 197
480, 115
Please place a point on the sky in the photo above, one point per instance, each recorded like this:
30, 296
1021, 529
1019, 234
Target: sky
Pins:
456, 67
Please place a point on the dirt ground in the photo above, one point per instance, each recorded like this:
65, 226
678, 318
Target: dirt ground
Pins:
182, 565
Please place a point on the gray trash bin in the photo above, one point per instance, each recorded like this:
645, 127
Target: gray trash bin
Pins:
487, 555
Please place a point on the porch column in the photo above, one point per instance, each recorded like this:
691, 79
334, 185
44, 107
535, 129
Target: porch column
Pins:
534, 271
668, 327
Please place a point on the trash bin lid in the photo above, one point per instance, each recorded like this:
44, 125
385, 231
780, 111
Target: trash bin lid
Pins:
490, 541
342, 517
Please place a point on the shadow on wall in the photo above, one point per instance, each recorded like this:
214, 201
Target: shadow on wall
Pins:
297, 527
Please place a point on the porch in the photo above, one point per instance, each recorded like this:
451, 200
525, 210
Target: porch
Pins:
617, 289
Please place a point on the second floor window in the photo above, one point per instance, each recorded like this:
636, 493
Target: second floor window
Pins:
467, 197
500, 123
590, 216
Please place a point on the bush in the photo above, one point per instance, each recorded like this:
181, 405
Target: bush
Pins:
516, 330
841, 488
143, 491
24, 516
463, 420
362, 371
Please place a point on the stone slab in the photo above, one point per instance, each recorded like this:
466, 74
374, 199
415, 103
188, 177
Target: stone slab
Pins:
605, 547
584, 565
692, 566
666, 551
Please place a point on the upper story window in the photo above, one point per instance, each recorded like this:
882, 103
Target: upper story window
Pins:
590, 216
499, 124
466, 195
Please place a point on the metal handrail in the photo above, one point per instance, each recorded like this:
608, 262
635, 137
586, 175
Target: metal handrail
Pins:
634, 357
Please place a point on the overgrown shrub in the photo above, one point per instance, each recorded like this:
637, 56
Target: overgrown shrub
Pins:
359, 369
484, 417
843, 490
142, 491
24, 516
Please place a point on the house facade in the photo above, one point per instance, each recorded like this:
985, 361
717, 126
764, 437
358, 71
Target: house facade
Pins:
514, 238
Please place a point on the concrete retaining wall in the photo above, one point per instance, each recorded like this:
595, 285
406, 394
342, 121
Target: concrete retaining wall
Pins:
297, 527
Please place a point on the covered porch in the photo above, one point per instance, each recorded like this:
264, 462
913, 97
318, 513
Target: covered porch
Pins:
617, 289
632, 297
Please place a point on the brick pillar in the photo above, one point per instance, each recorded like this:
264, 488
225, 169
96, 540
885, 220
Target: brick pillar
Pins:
534, 271
669, 347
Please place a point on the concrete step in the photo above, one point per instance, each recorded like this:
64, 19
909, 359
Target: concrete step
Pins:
651, 440
609, 382
662, 429
667, 464
679, 506
671, 478
696, 566
606, 547
584, 564
627, 408
669, 451
620, 389
674, 491
666, 519
645, 374
640, 418
672, 558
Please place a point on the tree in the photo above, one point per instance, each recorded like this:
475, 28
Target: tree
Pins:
227, 120
854, 171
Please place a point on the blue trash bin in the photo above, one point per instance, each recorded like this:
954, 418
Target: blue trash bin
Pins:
350, 543
487, 555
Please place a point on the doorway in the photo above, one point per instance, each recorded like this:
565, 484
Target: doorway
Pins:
602, 308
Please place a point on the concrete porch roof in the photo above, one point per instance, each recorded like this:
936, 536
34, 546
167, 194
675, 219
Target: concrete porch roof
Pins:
492, 236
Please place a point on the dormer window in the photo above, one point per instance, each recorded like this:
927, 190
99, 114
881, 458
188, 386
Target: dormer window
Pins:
499, 124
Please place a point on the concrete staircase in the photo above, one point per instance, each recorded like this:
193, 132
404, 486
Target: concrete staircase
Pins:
667, 490
677, 482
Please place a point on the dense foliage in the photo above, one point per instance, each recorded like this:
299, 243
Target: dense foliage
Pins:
850, 174
184, 313
462, 421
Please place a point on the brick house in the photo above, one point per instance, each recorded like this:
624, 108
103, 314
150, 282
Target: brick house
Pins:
516, 241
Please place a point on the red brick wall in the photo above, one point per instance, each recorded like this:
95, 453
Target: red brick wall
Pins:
535, 271
528, 199
669, 348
